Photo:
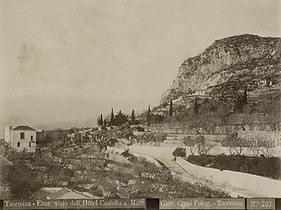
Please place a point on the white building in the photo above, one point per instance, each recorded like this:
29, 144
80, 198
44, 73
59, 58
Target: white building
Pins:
21, 137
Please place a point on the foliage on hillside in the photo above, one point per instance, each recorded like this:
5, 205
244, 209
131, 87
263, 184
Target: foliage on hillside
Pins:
269, 167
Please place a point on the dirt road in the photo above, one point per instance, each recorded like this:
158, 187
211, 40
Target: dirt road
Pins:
234, 183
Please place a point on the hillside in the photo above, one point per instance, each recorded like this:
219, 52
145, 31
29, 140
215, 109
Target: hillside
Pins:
227, 67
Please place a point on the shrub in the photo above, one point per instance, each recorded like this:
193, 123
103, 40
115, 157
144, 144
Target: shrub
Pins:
179, 152
191, 143
23, 182
234, 144
151, 137
129, 155
263, 166
203, 147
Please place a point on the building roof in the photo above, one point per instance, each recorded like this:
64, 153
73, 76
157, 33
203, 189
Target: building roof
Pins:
24, 127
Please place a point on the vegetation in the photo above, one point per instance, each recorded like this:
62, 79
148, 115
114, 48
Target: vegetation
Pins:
151, 137
100, 121
234, 144
179, 152
191, 143
111, 122
255, 146
120, 118
115, 120
148, 116
133, 118
264, 166
23, 182
156, 119
30, 173
198, 145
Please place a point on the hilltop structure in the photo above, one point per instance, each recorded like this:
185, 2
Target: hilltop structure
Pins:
21, 138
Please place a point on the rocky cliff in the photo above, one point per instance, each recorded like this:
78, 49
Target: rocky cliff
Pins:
229, 64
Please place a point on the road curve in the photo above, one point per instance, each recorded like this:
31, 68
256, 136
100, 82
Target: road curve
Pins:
191, 173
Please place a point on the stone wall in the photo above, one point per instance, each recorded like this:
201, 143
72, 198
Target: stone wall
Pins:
175, 132
181, 128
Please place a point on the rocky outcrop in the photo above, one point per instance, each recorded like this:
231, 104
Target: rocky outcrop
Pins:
229, 64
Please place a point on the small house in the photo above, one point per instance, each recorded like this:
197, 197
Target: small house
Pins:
21, 138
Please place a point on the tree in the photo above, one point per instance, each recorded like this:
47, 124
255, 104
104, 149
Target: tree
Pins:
195, 107
15, 156
23, 182
254, 145
191, 143
100, 120
156, 118
247, 119
274, 119
105, 122
5, 148
159, 137
148, 116
171, 108
120, 118
203, 147
209, 125
196, 125
271, 106
133, 118
184, 126
158, 127
174, 125
238, 106
229, 143
267, 147
222, 112
234, 143
47, 139
111, 122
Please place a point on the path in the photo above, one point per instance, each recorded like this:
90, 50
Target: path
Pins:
192, 173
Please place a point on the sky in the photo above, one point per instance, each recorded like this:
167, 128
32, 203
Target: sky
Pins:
63, 62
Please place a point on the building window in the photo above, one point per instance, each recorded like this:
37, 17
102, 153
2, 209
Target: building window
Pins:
22, 135
18, 144
31, 138
29, 144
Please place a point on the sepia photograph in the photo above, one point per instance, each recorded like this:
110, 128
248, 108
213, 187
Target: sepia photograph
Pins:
135, 99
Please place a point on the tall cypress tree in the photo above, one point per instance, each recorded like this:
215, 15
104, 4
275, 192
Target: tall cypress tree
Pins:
148, 115
112, 117
101, 120
133, 117
171, 108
